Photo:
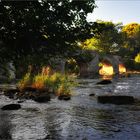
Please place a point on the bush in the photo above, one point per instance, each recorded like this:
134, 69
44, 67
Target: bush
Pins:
57, 83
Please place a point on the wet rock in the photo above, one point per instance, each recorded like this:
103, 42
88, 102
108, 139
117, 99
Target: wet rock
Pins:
115, 99
92, 94
20, 101
104, 82
11, 107
28, 93
42, 98
11, 92
29, 89
64, 97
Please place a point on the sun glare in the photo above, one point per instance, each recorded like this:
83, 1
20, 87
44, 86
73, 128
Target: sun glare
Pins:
107, 69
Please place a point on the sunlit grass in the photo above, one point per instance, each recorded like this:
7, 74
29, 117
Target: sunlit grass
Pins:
57, 83
39, 81
25, 81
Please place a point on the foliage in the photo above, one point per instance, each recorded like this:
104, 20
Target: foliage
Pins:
131, 44
35, 28
113, 39
32, 32
25, 81
137, 58
131, 39
56, 83
106, 40
71, 66
131, 30
84, 56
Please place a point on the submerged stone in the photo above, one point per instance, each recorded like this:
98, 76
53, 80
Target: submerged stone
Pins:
42, 98
11, 107
64, 97
104, 82
92, 94
115, 99
20, 101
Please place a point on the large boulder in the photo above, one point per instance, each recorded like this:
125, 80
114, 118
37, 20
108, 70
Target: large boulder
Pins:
115, 99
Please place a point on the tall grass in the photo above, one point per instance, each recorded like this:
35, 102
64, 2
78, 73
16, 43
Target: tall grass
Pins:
57, 83
25, 81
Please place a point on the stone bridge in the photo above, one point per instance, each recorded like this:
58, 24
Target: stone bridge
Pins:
92, 67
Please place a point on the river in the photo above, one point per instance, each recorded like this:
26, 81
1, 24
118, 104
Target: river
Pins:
81, 118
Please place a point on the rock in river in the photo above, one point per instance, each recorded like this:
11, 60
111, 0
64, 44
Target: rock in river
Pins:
11, 92
42, 98
104, 82
11, 107
92, 94
115, 99
64, 97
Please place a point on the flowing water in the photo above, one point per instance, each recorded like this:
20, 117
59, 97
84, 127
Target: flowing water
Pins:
81, 118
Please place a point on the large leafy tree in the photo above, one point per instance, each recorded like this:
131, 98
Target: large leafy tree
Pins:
107, 39
131, 36
131, 45
38, 29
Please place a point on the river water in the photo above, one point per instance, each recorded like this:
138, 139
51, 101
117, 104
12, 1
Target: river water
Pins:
81, 118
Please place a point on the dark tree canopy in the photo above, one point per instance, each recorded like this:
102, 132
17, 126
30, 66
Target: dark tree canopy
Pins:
39, 28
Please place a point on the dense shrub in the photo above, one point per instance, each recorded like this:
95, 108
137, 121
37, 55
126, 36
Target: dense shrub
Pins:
57, 83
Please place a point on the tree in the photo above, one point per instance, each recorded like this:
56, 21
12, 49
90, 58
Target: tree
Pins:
131, 36
36, 30
107, 38
131, 44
